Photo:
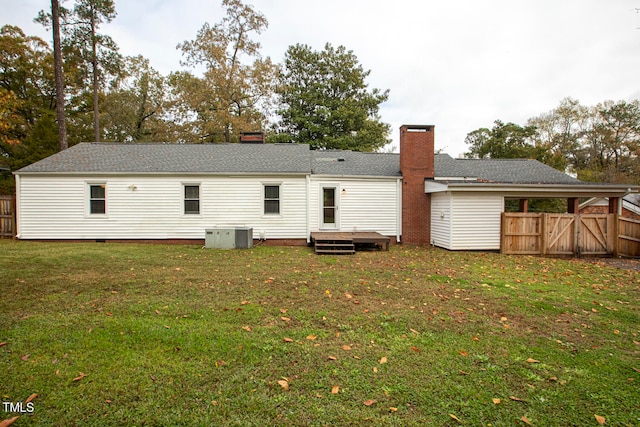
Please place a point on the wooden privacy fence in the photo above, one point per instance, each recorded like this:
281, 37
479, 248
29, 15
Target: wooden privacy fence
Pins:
569, 234
7, 216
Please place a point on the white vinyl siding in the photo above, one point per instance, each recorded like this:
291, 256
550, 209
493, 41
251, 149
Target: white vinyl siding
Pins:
364, 204
466, 220
441, 219
152, 207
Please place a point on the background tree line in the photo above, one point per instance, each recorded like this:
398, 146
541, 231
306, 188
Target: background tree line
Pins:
599, 143
225, 88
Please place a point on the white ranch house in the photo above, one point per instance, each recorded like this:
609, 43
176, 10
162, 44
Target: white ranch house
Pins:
283, 192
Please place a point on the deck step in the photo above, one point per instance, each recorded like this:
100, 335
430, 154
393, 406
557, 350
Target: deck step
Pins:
335, 247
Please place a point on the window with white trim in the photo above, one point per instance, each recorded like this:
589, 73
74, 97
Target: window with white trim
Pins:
97, 199
272, 200
191, 199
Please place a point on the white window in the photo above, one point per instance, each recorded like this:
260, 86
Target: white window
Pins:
272, 199
192, 199
97, 199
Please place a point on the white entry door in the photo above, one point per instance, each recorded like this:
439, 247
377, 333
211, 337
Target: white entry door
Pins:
330, 207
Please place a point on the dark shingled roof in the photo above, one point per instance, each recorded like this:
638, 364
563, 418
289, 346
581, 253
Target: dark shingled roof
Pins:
280, 158
338, 162
177, 158
503, 171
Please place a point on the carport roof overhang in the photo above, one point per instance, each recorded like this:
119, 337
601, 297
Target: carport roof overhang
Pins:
534, 191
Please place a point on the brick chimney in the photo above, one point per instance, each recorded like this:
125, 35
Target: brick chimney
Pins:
416, 165
252, 137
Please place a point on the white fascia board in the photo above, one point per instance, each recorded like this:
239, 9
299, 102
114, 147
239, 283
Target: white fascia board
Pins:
434, 187
546, 190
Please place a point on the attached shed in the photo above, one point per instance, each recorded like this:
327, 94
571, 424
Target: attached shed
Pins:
468, 196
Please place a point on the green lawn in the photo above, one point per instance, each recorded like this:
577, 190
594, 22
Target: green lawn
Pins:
155, 335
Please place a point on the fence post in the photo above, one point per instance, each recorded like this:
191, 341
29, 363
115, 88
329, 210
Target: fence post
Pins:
543, 234
577, 223
616, 235
14, 216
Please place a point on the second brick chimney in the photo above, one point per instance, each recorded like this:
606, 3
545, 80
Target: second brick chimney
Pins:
416, 166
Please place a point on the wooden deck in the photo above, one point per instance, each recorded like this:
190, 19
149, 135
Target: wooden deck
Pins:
344, 242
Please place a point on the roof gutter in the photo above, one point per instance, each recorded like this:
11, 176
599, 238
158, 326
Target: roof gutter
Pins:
536, 190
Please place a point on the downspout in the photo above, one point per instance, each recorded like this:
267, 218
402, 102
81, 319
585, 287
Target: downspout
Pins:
399, 210
18, 210
307, 215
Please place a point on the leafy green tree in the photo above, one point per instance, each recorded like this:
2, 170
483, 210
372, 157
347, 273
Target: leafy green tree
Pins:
27, 99
325, 101
233, 93
134, 107
613, 143
503, 141
561, 131
92, 56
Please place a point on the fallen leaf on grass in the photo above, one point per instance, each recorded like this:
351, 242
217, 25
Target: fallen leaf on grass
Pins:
346, 348
288, 340
526, 420
25, 357
2, 344
157, 311
247, 328
455, 418
600, 419
335, 389
383, 360
496, 401
530, 360
517, 399
332, 358
464, 353
284, 384
283, 310
311, 337
8, 421
30, 398
415, 349
285, 319
369, 402
80, 376
392, 409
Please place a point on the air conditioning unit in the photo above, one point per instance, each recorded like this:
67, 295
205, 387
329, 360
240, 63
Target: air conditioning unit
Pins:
228, 237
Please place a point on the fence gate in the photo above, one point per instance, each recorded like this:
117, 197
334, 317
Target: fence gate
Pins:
7, 216
558, 234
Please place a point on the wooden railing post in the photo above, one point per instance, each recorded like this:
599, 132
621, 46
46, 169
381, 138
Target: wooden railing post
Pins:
14, 216
543, 234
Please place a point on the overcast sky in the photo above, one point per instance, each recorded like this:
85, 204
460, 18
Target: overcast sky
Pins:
455, 64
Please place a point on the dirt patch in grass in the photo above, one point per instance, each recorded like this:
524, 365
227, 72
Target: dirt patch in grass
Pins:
622, 263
